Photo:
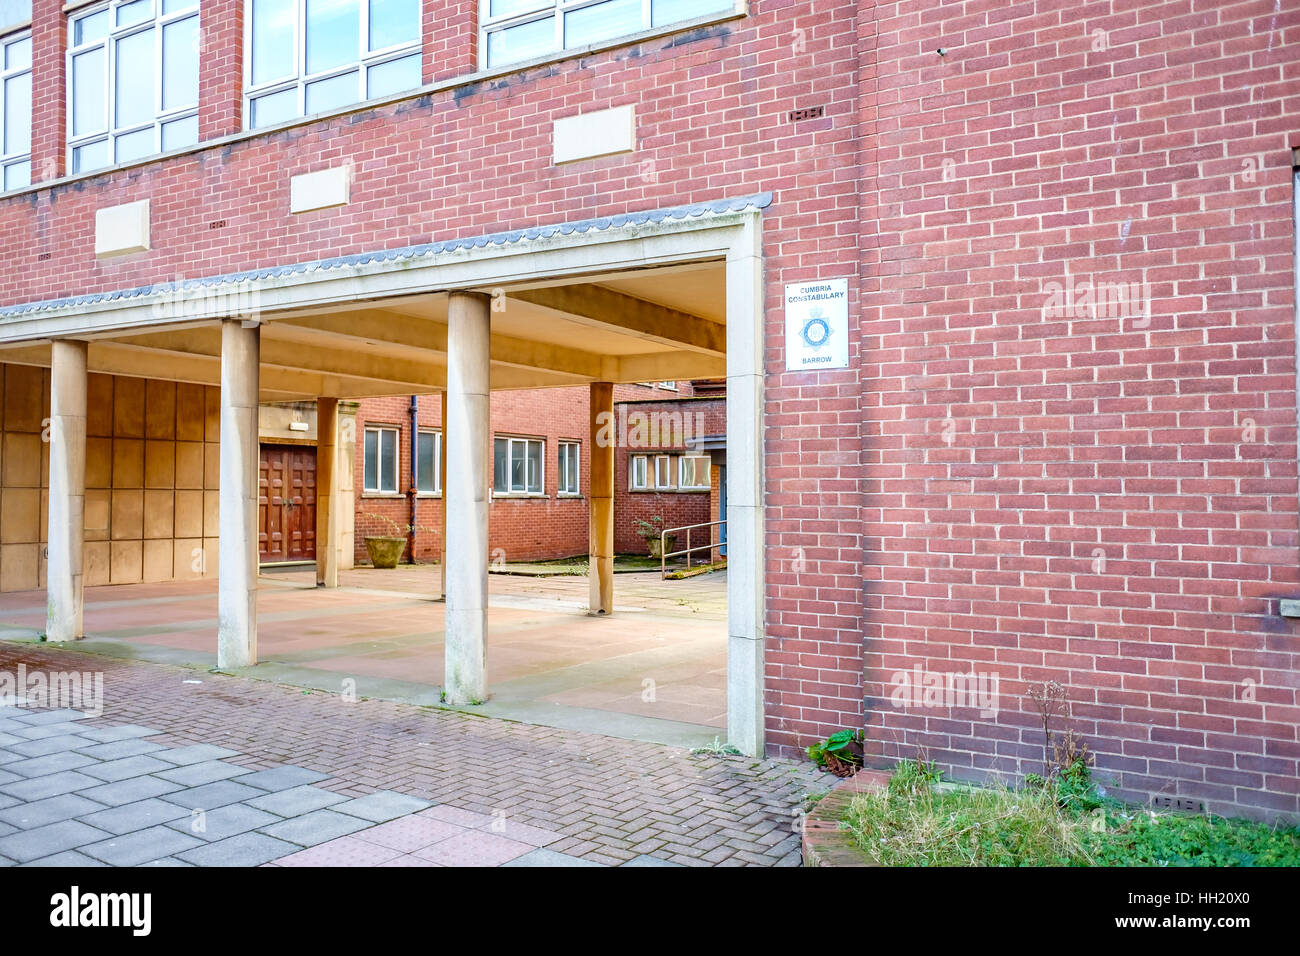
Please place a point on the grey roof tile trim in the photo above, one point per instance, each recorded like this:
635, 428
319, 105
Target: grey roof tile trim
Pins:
693, 211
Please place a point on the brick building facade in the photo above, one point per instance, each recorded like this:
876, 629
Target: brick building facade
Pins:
1064, 447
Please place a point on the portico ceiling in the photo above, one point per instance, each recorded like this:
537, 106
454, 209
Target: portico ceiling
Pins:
633, 326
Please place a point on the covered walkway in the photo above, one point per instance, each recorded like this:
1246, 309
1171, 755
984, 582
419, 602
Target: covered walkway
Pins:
659, 675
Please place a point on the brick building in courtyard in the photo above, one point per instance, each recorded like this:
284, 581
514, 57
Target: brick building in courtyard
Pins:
1003, 291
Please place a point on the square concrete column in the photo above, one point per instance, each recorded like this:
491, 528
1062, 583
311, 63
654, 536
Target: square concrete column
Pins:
746, 547
469, 420
600, 575
327, 497
237, 496
64, 582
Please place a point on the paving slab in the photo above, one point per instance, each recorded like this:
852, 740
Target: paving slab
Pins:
105, 735
117, 749
38, 788
296, 801
25, 845
344, 851
246, 849
210, 796
139, 815
131, 790
43, 746
68, 858
38, 813
316, 827
646, 859
224, 822
35, 717
282, 778
207, 771
474, 848
49, 764
142, 846
409, 833
382, 806
111, 771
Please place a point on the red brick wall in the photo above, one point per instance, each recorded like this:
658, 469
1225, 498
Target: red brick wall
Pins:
221, 67
1105, 501
49, 100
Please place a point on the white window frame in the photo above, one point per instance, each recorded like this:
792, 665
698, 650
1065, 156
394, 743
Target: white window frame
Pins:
299, 76
516, 441
541, 9
668, 386
11, 160
437, 461
683, 484
379, 469
566, 447
643, 482
669, 470
111, 133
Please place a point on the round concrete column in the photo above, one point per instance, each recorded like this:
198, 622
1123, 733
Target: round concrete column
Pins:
469, 425
237, 496
327, 498
67, 491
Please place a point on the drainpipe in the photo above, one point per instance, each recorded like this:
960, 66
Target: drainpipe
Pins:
415, 474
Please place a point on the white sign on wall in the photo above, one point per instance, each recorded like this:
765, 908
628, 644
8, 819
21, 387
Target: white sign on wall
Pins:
817, 325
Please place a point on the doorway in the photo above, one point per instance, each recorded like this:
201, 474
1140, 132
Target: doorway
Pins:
286, 504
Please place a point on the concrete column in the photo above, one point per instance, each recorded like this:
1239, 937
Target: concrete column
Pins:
465, 496
327, 497
237, 496
442, 483
67, 521
600, 576
745, 541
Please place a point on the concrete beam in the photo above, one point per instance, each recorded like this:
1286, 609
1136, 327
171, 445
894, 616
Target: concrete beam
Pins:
596, 306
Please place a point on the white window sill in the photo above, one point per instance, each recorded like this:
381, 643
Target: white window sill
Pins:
391, 495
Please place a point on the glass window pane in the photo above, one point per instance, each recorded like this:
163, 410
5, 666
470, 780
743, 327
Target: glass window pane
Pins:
388, 460
518, 467
180, 133
333, 34
372, 460
522, 42
88, 92
18, 175
673, 11
134, 12
176, 6
135, 145
535, 467
604, 21
18, 114
275, 108
394, 22
500, 465
424, 464
91, 156
332, 93
134, 91
91, 28
180, 70
274, 24
18, 55
392, 77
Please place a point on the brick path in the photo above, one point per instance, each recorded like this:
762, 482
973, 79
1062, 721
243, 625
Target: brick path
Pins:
475, 781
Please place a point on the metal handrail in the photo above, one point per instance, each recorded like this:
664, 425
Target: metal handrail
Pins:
663, 544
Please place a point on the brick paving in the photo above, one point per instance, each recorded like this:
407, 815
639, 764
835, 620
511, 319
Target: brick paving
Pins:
307, 778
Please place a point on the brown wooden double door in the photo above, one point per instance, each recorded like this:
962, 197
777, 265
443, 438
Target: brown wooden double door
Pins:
286, 529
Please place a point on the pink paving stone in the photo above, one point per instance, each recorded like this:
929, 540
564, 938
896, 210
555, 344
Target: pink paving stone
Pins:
410, 833
345, 851
409, 860
462, 818
474, 848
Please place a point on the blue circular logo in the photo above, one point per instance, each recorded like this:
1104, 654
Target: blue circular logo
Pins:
816, 332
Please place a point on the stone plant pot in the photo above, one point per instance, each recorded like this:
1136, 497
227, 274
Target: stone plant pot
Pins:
385, 552
656, 545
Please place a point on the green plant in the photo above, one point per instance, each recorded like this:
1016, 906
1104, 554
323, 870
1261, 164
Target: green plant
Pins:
717, 749
399, 530
840, 753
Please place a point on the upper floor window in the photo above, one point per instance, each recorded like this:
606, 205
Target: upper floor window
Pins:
133, 81
515, 30
310, 56
15, 13
15, 111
